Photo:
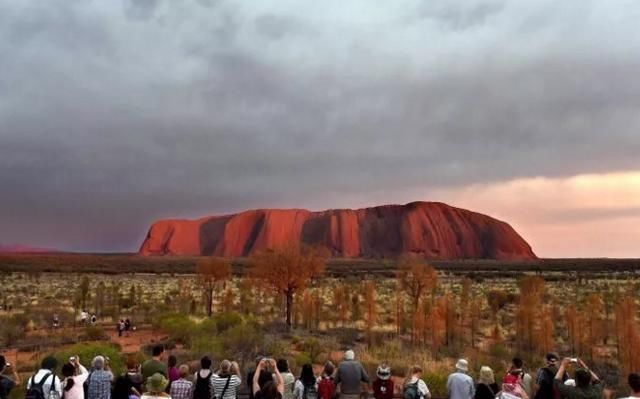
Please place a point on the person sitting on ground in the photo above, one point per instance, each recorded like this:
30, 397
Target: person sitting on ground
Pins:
225, 382
544, 378
350, 376
172, 370
46, 378
182, 388
414, 386
383, 386
156, 385
155, 364
129, 384
634, 384
75, 375
306, 387
486, 387
588, 385
8, 378
202, 388
459, 384
99, 380
326, 384
287, 377
267, 388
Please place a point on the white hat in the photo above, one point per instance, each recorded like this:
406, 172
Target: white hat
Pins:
349, 355
462, 365
570, 382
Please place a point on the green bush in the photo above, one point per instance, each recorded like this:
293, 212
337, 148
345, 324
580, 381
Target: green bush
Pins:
94, 333
87, 351
437, 383
179, 327
227, 320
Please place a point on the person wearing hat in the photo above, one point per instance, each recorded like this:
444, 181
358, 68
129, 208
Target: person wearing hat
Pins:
459, 384
8, 378
156, 385
587, 384
350, 376
383, 386
544, 379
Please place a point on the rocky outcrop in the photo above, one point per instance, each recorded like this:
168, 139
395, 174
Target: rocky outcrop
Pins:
430, 229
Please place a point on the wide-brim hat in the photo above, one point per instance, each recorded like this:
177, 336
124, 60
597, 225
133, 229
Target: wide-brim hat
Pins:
157, 383
462, 365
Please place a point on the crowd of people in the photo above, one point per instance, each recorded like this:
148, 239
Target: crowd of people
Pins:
270, 379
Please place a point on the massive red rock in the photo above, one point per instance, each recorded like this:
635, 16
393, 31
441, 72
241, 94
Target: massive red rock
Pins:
430, 229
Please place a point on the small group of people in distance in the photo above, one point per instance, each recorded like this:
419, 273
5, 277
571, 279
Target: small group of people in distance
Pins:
271, 379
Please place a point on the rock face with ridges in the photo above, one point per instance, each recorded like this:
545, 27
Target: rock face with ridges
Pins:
431, 229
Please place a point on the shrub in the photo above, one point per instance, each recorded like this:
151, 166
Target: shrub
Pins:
179, 327
87, 351
227, 320
437, 383
94, 333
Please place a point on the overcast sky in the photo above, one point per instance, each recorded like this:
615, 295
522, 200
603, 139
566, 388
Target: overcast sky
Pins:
116, 113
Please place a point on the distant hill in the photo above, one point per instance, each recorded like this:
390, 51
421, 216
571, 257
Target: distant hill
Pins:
21, 248
430, 229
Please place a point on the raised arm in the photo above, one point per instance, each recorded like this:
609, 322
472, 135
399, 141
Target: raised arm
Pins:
256, 377
279, 379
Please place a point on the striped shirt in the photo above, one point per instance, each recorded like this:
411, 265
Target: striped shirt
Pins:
218, 383
181, 389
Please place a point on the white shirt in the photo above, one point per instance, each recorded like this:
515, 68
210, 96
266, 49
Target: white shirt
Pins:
46, 387
77, 390
422, 386
298, 389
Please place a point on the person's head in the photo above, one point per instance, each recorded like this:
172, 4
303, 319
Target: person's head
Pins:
98, 362
413, 371
183, 370
270, 390
264, 378
49, 363
172, 361
306, 374
583, 378
517, 363
283, 365
68, 371
349, 355
158, 351
205, 363
225, 367
132, 364
157, 383
551, 359
329, 368
486, 375
634, 382
462, 365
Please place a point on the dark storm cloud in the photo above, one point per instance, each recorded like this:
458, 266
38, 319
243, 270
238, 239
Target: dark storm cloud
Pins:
114, 114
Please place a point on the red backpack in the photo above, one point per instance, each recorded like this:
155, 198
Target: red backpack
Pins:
326, 388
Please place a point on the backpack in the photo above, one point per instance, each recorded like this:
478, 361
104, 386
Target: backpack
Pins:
310, 392
410, 391
36, 391
547, 389
326, 388
202, 389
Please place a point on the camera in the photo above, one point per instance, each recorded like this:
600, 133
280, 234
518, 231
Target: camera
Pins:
72, 359
574, 360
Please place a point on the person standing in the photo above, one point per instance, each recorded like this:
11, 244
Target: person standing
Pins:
459, 384
268, 389
172, 370
75, 375
306, 387
487, 387
202, 388
588, 384
383, 386
544, 379
99, 380
129, 383
350, 376
155, 364
225, 383
156, 385
414, 386
634, 384
8, 378
287, 377
182, 388
326, 384
45, 379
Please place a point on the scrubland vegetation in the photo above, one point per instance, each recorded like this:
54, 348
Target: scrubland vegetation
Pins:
289, 305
